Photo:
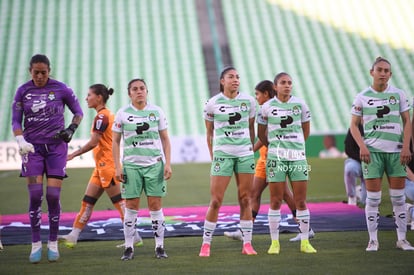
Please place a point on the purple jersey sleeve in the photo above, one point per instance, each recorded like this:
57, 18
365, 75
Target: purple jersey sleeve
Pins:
42, 110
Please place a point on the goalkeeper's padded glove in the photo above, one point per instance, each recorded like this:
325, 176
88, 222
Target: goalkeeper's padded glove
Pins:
66, 135
24, 146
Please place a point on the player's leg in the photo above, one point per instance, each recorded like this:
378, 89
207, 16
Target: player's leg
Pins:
351, 170
276, 190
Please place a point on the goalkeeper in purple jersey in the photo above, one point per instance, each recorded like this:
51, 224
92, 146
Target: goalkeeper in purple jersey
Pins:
39, 127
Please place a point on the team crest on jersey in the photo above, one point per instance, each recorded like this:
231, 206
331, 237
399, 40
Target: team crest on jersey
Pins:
296, 110
271, 173
243, 107
152, 117
393, 100
51, 96
217, 167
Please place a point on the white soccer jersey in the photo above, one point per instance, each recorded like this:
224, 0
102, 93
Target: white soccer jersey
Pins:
140, 130
231, 124
381, 116
284, 128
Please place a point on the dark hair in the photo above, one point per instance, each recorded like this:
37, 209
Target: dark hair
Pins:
39, 58
378, 60
136, 79
278, 76
223, 73
100, 89
266, 86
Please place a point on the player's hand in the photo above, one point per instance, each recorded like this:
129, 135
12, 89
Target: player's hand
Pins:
66, 135
167, 172
24, 146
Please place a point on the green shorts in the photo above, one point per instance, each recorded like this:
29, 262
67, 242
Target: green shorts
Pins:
277, 170
227, 166
149, 179
383, 162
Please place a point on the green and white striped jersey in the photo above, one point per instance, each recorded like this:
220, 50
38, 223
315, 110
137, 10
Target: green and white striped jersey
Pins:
380, 112
231, 124
284, 128
140, 130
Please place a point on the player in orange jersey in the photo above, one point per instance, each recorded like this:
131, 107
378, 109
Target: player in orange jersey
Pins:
103, 176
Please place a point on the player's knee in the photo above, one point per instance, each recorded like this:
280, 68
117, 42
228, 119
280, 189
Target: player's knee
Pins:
89, 200
373, 199
397, 197
116, 198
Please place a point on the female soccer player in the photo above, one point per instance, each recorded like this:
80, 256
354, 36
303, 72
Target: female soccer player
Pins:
143, 127
229, 118
385, 147
42, 140
283, 126
103, 176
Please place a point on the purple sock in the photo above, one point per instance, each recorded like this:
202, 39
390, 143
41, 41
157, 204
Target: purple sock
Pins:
35, 209
53, 203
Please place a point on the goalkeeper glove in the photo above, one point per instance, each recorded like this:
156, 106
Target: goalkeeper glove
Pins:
66, 135
24, 146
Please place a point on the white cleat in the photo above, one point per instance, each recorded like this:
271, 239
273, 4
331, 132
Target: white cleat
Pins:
404, 245
236, 235
137, 241
372, 246
297, 238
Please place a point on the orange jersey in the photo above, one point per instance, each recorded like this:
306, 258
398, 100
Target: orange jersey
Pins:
260, 171
102, 153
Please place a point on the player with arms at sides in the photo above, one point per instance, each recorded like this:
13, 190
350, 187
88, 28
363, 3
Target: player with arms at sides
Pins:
42, 140
143, 127
264, 92
385, 147
103, 176
229, 118
284, 126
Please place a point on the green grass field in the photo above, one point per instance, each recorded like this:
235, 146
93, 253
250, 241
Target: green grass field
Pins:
338, 252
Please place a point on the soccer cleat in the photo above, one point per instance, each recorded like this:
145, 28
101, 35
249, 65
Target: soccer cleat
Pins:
68, 240
404, 245
373, 246
306, 247
36, 253
236, 235
1, 246
128, 254
352, 201
52, 251
297, 238
160, 253
274, 247
205, 250
137, 241
248, 249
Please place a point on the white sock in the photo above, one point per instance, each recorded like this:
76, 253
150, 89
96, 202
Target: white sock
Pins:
209, 228
274, 218
246, 227
130, 219
372, 213
303, 217
400, 214
75, 232
158, 227
36, 246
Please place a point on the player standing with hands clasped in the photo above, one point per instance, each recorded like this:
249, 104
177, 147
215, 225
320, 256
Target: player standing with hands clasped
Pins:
229, 117
385, 147
40, 104
143, 127
283, 126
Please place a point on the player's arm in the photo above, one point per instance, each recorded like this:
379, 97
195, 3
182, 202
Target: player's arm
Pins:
405, 151
262, 134
356, 134
116, 141
92, 143
306, 129
251, 129
166, 146
209, 136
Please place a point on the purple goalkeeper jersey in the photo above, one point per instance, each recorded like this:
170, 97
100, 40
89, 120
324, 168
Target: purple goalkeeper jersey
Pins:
43, 110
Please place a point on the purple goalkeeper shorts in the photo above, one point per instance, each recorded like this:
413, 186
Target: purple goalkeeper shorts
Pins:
49, 159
